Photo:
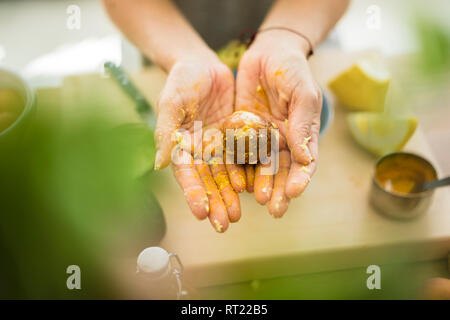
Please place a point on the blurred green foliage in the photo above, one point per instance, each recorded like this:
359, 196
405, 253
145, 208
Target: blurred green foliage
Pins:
434, 40
398, 281
74, 195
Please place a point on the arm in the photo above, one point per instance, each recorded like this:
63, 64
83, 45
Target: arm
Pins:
158, 29
274, 75
312, 18
198, 88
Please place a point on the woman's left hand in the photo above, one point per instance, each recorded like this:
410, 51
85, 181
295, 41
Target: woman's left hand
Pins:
275, 81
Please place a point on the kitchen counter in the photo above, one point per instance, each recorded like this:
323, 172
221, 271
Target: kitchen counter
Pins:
330, 227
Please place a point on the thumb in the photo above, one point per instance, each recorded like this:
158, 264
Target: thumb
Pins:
246, 83
305, 115
169, 120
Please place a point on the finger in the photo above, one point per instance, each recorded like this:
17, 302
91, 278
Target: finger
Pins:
437, 289
263, 184
314, 142
247, 82
218, 215
237, 177
299, 177
279, 201
250, 177
229, 196
194, 191
304, 111
170, 118
299, 174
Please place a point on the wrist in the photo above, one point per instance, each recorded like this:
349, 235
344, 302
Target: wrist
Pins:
284, 40
200, 53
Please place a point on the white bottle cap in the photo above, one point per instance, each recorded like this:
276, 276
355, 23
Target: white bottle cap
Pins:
154, 262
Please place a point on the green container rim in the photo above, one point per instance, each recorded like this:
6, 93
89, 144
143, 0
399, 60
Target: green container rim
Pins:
28, 96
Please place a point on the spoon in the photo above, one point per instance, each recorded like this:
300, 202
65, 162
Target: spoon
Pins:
434, 184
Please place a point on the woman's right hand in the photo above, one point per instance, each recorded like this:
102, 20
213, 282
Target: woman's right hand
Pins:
199, 89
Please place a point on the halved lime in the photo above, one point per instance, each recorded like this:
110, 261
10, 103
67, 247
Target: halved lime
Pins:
380, 133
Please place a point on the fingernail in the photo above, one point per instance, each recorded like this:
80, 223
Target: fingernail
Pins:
218, 226
158, 160
206, 200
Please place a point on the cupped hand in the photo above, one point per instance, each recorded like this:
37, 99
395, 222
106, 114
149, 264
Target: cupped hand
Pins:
200, 89
274, 80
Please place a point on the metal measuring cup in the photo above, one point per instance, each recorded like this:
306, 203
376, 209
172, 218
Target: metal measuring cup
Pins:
397, 198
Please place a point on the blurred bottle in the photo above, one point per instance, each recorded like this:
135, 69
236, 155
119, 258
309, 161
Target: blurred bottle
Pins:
164, 274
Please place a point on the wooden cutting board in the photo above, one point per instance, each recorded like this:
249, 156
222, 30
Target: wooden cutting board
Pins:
330, 227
